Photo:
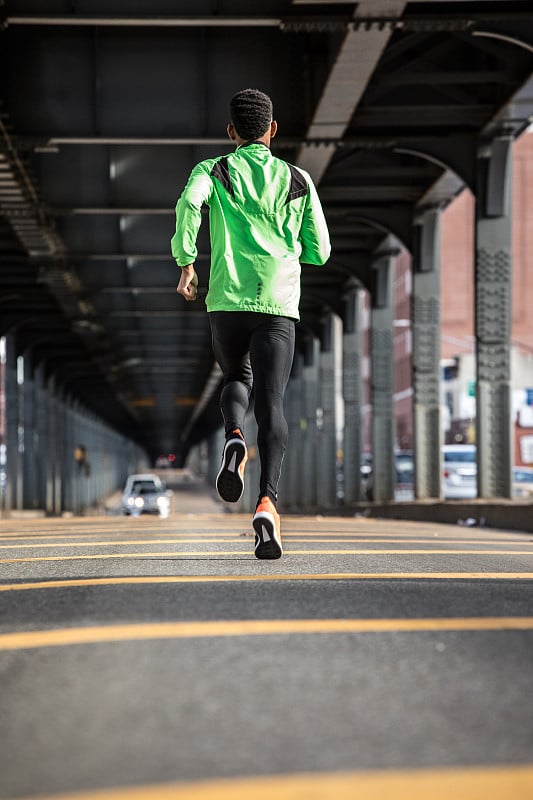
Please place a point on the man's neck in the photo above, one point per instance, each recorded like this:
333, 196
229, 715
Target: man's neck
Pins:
253, 141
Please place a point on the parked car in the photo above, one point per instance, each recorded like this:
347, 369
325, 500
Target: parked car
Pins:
404, 475
523, 483
145, 494
459, 471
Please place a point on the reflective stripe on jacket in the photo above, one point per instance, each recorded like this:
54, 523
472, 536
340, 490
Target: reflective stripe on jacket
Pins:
265, 219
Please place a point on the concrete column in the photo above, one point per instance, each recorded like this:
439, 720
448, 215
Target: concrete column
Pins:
12, 423
426, 355
493, 319
351, 376
328, 423
382, 378
308, 473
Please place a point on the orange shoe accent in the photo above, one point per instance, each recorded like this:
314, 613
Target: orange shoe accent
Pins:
266, 524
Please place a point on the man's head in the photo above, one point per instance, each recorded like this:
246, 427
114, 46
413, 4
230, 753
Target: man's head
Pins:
251, 115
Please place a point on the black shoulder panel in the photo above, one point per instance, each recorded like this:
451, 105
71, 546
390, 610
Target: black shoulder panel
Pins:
221, 172
298, 187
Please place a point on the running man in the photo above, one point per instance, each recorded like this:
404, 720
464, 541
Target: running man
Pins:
265, 218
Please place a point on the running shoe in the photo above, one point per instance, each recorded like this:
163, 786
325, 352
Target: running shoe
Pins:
230, 479
267, 530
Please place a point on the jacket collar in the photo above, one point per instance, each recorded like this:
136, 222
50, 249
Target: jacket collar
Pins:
253, 141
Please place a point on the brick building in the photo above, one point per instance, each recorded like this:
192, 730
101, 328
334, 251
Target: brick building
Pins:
457, 314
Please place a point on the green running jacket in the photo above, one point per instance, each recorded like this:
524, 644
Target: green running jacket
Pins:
264, 217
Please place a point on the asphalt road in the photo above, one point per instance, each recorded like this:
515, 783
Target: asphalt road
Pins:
148, 658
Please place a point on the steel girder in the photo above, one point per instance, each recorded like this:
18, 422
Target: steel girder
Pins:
387, 103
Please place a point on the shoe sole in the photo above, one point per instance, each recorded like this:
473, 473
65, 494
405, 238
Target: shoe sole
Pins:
267, 542
229, 483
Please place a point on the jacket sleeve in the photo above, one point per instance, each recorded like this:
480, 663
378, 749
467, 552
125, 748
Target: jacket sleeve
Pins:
189, 214
314, 234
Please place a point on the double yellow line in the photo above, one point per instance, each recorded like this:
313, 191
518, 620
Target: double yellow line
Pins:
268, 627
472, 783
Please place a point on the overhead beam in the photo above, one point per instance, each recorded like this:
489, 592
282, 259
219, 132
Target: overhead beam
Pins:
356, 61
50, 143
109, 211
78, 20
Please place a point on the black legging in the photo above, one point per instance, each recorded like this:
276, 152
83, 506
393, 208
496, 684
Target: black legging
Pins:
256, 350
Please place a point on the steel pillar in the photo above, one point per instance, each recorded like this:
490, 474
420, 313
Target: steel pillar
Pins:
253, 466
426, 355
30, 496
215, 445
12, 423
493, 319
382, 378
53, 450
308, 473
329, 392
351, 385
68, 462
291, 477
40, 436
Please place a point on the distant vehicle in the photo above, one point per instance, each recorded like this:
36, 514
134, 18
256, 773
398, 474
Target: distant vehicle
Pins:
459, 471
523, 483
145, 494
404, 475
366, 476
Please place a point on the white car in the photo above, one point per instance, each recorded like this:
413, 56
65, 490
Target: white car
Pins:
523, 482
145, 494
459, 471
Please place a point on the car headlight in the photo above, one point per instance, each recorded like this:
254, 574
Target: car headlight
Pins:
139, 502
130, 501
162, 502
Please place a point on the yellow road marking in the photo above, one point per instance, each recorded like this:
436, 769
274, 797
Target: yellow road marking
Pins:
217, 553
257, 627
122, 542
72, 583
295, 538
471, 783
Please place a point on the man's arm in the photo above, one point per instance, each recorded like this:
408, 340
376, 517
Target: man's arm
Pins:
188, 285
189, 215
314, 234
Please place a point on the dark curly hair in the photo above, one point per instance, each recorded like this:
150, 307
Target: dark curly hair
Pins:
251, 113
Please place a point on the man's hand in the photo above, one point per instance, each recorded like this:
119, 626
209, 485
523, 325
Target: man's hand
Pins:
188, 284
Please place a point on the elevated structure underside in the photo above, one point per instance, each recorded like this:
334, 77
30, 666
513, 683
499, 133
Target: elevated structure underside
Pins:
105, 110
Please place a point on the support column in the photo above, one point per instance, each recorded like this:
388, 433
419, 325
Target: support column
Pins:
351, 376
253, 466
329, 393
11, 421
53, 451
382, 379
426, 355
291, 471
308, 487
30, 498
79, 490
41, 436
215, 446
68, 461
493, 318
